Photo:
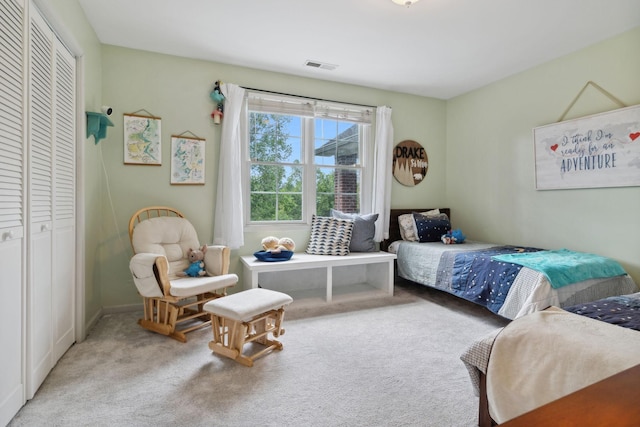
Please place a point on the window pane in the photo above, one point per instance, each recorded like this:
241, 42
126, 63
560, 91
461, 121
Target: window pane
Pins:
336, 143
326, 129
290, 207
263, 207
337, 188
347, 183
274, 137
276, 193
348, 147
290, 179
265, 178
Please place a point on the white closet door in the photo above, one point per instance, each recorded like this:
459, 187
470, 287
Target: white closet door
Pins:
12, 207
64, 219
51, 202
40, 136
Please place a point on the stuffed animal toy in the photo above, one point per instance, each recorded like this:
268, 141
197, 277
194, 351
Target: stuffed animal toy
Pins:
270, 243
453, 236
287, 243
196, 257
274, 245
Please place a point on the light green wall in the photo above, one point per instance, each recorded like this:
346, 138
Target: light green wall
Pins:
490, 157
177, 90
479, 146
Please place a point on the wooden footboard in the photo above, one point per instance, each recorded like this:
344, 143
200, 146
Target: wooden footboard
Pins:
484, 418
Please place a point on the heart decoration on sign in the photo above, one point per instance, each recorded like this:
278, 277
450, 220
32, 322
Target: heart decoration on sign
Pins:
554, 147
634, 135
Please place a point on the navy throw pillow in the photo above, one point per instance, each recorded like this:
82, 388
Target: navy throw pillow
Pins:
430, 229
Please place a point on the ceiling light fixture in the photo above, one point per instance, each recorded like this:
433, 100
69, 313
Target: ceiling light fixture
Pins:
406, 3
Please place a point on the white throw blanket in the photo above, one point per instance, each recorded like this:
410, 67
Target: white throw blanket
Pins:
546, 355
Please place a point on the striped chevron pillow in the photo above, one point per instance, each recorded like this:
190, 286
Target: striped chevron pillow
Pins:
330, 236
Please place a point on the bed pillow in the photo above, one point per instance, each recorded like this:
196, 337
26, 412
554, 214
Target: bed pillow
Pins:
329, 236
429, 228
408, 225
364, 228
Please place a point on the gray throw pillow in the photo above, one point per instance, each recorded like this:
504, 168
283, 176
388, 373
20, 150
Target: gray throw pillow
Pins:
364, 228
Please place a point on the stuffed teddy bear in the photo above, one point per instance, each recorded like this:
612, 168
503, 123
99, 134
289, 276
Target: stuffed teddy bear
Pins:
274, 245
196, 257
270, 243
287, 244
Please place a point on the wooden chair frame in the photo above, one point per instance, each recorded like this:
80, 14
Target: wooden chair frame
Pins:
170, 315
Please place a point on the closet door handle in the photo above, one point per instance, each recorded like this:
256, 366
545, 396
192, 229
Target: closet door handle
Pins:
8, 235
44, 227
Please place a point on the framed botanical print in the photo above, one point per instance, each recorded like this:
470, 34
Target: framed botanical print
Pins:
187, 160
142, 143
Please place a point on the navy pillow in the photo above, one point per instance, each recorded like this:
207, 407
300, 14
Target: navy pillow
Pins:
430, 229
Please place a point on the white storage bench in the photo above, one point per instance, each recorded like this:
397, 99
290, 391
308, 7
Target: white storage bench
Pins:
325, 278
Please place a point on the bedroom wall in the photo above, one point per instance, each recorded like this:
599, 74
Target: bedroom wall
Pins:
177, 90
490, 157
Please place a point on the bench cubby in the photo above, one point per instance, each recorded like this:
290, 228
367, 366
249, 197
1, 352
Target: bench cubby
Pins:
324, 278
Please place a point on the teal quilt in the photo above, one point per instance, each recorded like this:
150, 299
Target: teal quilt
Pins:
563, 267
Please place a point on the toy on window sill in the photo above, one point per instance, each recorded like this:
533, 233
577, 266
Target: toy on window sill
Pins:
196, 257
453, 237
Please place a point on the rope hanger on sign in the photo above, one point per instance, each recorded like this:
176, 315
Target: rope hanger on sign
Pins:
595, 85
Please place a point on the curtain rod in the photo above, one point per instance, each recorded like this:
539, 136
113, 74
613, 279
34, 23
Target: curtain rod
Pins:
307, 97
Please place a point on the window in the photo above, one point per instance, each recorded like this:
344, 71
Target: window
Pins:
305, 157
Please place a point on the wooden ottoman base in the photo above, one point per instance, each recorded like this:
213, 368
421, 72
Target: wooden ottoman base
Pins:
245, 317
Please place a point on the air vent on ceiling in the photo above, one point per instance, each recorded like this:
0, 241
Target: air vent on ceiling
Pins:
318, 64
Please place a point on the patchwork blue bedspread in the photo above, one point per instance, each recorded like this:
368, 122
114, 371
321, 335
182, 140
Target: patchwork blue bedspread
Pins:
622, 310
477, 277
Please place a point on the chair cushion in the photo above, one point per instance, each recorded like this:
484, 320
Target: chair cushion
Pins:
168, 236
141, 266
244, 306
189, 286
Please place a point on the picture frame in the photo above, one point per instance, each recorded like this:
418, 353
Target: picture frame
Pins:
600, 150
142, 140
187, 160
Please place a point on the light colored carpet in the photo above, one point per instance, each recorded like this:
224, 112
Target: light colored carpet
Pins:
385, 362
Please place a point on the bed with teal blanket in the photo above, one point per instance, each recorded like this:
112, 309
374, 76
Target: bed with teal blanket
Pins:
512, 280
509, 280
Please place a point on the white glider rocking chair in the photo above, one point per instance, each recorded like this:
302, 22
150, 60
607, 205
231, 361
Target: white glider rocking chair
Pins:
173, 305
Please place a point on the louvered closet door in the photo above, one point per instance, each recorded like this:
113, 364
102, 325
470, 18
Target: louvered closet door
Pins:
40, 136
51, 202
64, 190
12, 250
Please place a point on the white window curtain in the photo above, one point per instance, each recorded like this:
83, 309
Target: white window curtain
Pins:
228, 227
382, 172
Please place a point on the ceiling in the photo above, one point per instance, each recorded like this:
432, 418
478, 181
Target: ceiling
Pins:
435, 48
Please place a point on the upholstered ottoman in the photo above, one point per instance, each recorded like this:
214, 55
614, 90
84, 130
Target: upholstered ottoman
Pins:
244, 317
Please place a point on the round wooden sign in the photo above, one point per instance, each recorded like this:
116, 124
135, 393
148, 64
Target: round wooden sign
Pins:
410, 163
